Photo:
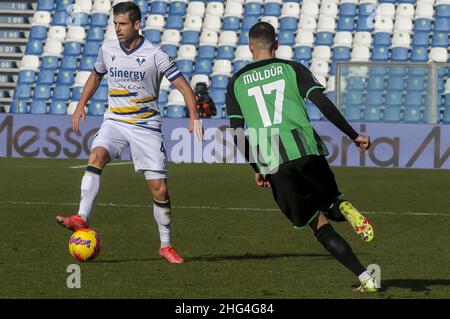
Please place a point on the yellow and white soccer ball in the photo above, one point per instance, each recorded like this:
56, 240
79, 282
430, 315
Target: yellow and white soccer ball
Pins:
84, 245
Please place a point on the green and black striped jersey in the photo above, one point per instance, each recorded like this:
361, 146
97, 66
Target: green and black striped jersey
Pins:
270, 96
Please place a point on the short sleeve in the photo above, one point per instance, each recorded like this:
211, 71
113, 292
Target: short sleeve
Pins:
307, 82
166, 66
99, 65
233, 108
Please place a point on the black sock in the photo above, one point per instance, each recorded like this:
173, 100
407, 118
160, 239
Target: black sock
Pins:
339, 248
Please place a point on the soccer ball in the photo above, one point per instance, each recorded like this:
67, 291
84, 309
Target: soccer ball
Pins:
84, 245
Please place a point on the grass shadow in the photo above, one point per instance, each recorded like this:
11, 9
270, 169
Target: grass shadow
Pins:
416, 285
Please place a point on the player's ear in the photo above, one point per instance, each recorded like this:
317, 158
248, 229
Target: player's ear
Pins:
275, 46
137, 25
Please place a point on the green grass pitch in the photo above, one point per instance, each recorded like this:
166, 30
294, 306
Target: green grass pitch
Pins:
235, 242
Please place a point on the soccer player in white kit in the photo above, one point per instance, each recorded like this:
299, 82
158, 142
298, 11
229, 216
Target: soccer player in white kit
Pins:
135, 68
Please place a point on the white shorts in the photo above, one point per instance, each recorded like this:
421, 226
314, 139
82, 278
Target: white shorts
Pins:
147, 147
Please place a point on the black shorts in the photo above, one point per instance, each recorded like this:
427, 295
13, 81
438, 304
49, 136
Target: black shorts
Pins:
303, 187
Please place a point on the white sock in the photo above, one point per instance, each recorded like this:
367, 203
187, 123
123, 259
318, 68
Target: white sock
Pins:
90, 185
364, 276
161, 212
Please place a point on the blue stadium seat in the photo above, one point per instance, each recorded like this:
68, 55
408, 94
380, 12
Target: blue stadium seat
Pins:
231, 23
420, 39
345, 24
313, 112
413, 99
61, 92
203, 66
447, 100
416, 83
249, 22
87, 63
38, 33
378, 71
95, 34
286, 38
34, 47
356, 83
252, 9
375, 82
190, 37
143, 6
288, 24
49, 63
163, 97
372, 114
394, 98
331, 95
177, 8
62, 5
218, 96
185, 66
206, 52
153, 35
65, 77
239, 64
225, 52
352, 113
392, 114
170, 49
177, 111
79, 19
365, 24
272, 9
367, 9
399, 54
347, 9
422, 24
26, 77
158, 7
382, 39
96, 108
58, 107
442, 11
446, 117
440, 39
69, 62
45, 5
219, 82
19, 106
72, 48
398, 70
442, 25
76, 93
302, 53
341, 53
99, 19
101, 94
91, 48
380, 53
411, 115
38, 107
174, 22
60, 18
42, 92
374, 97
46, 77
353, 98
322, 38
243, 38
395, 83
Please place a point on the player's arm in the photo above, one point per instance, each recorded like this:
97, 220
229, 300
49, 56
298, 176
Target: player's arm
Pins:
189, 98
330, 111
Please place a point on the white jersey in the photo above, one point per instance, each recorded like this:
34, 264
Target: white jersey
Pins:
134, 78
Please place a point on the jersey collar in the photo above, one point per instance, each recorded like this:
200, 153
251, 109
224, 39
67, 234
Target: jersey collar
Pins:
127, 52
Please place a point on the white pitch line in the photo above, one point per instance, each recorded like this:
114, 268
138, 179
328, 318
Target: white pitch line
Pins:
111, 164
202, 207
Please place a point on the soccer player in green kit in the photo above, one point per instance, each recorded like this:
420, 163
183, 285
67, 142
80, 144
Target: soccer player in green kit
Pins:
269, 96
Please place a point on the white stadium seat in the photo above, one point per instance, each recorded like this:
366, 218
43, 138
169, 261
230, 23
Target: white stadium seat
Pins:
209, 38
57, 33
290, 9
222, 67
272, 21
197, 78
307, 23
319, 68
447, 86
228, 38
76, 34
193, 23
331, 83
234, 9
187, 52
309, 9
322, 52
405, 10
175, 98
155, 21
81, 78
362, 39
360, 53
386, 10
102, 6
196, 8
326, 24
403, 24
30, 62
343, 38
215, 9
53, 47
82, 6
329, 9
165, 84
424, 10
304, 38
212, 22
243, 53
384, 24
72, 107
284, 52
110, 33
41, 18
170, 36
401, 39
438, 55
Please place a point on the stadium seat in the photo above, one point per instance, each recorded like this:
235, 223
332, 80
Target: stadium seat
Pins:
91, 49
343, 39
193, 23
26, 77
61, 92
225, 52
232, 23
345, 23
252, 9
392, 115
38, 33
101, 94
72, 48
65, 77
155, 21
313, 112
438, 54
395, 83
96, 108
49, 63
185, 66
375, 83
420, 39
212, 23
190, 37
58, 107
158, 7
203, 66
352, 113
176, 111
196, 8
272, 9
52, 48
347, 9
416, 83
288, 23
62, 5
38, 107
221, 67
411, 115
95, 34
99, 19
219, 82
443, 10
23, 91
286, 38
440, 39
19, 106
34, 47
41, 18
380, 53
153, 35
341, 54
69, 62
42, 92
218, 96
400, 54
197, 78
248, 22
46, 77
206, 52
371, 114
239, 64
324, 38
353, 98
413, 99
215, 8
422, 24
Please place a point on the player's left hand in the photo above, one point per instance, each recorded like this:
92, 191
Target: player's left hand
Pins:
362, 142
196, 127
261, 181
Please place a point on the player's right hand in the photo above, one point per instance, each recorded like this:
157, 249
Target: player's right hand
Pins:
261, 181
362, 142
77, 114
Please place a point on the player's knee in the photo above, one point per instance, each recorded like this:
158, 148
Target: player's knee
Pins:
160, 192
99, 157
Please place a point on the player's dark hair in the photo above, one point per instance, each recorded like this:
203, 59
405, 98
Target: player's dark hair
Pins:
263, 33
134, 13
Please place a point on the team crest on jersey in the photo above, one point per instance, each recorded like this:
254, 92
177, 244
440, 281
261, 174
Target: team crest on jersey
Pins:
113, 57
140, 60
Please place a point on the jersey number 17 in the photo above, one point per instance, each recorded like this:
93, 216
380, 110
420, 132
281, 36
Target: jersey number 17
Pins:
259, 91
